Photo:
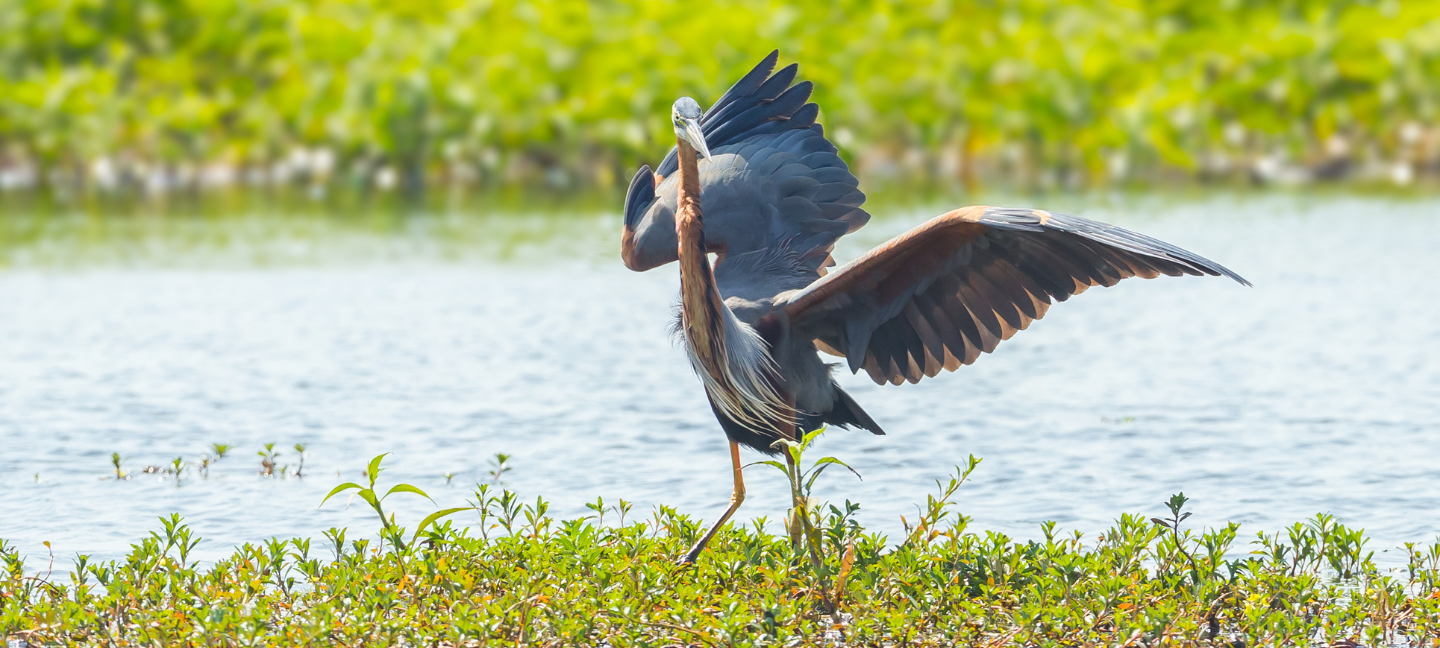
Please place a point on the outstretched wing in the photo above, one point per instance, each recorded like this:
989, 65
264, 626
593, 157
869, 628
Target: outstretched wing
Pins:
772, 177
939, 295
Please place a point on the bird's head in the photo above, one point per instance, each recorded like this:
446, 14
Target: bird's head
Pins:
685, 116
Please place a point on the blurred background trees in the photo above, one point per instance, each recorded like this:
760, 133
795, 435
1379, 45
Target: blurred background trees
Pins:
152, 96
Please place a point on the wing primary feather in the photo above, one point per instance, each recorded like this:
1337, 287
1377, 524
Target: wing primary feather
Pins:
1001, 300
1080, 255
1127, 263
777, 110
806, 116
639, 196
777, 83
1071, 279
1053, 281
964, 321
1140, 244
1035, 298
950, 336
888, 353
914, 355
991, 330
744, 87
857, 337
933, 359
872, 367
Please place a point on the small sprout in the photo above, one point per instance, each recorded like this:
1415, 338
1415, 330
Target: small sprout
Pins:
621, 509
388, 529
300, 450
115, 461
217, 452
498, 467
177, 466
267, 459
448, 477
599, 508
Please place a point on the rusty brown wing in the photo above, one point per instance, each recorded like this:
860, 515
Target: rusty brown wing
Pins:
954, 287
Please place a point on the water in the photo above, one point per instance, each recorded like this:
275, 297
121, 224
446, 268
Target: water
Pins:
1314, 391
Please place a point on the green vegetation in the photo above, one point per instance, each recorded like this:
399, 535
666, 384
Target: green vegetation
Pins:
389, 532
520, 577
161, 95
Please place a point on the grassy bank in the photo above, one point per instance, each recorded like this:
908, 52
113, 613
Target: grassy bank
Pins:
515, 576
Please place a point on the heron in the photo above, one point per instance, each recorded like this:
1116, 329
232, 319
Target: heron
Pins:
753, 181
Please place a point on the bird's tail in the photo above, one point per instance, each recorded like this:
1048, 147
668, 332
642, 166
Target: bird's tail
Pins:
847, 412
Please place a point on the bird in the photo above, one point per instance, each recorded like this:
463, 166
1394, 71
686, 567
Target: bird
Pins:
753, 181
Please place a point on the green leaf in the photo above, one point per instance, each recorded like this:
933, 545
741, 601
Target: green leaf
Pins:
436, 516
368, 495
820, 467
771, 462
339, 489
373, 470
785, 443
832, 460
815, 474
405, 488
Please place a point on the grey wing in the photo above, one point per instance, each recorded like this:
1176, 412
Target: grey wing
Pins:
773, 177
939, 295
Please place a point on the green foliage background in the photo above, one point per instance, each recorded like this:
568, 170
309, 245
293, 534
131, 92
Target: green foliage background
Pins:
518, 89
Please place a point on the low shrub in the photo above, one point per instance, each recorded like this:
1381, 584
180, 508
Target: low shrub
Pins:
518, 576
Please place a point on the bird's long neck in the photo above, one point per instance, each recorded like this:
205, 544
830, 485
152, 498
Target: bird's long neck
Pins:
738, 371
701, 307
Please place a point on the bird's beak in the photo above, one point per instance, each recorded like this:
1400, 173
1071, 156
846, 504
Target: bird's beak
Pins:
695, 137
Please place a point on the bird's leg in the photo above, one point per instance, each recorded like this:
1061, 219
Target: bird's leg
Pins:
736, 498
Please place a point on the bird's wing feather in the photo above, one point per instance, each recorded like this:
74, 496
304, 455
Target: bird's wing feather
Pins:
939, 295
773, 177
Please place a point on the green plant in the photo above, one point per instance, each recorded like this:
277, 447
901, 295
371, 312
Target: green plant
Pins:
577, 92
802, 482
217, 452
389, 531
499, 465
300, 451
115, 461
267, 459
177, 466
577, 582
927, 525
805, 537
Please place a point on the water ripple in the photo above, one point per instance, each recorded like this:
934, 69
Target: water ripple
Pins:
1315, 391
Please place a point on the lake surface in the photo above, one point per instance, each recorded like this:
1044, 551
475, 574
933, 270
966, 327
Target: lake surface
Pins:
445, 340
